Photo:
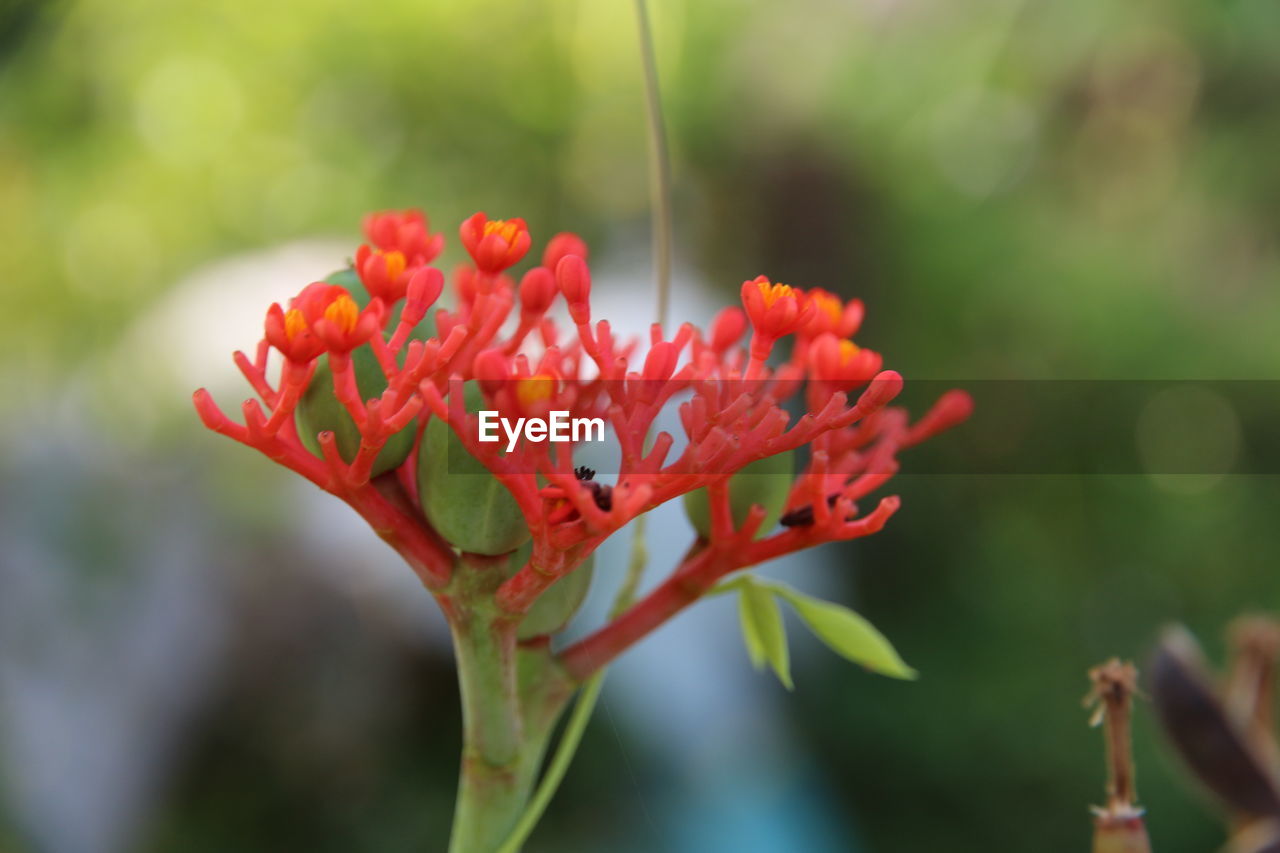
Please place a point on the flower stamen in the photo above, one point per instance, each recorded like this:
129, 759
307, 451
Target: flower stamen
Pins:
295, 323
343, 313
772, 292
504, 228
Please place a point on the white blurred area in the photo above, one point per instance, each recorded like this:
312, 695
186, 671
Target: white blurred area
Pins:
93, 723
203, 320
220, 308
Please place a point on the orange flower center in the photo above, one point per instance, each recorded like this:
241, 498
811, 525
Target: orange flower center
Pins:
828, 303
848, 349
395, 263
343, 313
508, 231
294, 323
773, 292
536, 389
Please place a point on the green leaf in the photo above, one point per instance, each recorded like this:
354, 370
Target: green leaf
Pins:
847, 634
762, 629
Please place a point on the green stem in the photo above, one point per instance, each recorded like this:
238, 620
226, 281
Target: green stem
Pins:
577, 725
499, 758
486, 678
511, 698
635, 569
496, 771
659, 163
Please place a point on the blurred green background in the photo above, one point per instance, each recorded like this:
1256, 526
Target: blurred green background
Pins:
1018, 189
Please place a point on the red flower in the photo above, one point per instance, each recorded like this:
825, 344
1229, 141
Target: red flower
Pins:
335, 318
405, 232
775, 310
385, 274
832, 315
288, 332
495, 244
842, 363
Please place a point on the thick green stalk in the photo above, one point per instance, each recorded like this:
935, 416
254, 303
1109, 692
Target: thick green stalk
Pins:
495, 776
511, 698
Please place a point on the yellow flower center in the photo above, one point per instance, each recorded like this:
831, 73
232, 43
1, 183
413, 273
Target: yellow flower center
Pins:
294, 323
343, 313
848, 349
773, 292
508, 231
535, 389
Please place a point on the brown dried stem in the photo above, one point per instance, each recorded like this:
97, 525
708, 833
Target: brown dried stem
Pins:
1118, 826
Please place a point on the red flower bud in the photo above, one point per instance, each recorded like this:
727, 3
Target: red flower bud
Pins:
727, 328
952, 408
660, 363
491, 368
562, 245
424, 287
882, 390
537, 290
574, 280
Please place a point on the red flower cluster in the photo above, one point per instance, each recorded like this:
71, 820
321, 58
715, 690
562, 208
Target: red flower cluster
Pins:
498, 334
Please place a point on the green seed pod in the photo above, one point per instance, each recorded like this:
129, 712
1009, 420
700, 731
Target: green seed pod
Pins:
460, 498
319, 409
555, 607
766, 482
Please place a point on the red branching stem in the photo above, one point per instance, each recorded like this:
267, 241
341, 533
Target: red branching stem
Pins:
385, 354
685, 586
429, 556
255, 374
345, 388
698, 574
